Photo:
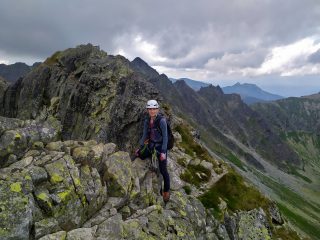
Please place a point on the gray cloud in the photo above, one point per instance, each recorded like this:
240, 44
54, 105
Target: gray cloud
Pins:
315, 57
40, 26
181, 34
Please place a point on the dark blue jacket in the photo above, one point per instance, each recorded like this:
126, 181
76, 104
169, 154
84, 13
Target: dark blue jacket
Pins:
156, 138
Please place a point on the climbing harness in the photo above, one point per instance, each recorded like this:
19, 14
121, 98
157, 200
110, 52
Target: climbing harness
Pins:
154, 167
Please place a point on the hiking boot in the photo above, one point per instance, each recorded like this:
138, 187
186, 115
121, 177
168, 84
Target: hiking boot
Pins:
166, 196
161, 193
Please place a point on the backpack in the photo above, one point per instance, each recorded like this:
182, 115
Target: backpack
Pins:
169, 131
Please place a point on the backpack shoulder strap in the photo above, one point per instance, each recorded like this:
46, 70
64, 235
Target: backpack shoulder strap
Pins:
157, 122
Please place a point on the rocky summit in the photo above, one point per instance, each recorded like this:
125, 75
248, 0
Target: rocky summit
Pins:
90, 93
66, 133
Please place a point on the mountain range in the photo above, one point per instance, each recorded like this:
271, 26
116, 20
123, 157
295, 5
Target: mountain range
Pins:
250, 93
14, 71
196, 85
66, 128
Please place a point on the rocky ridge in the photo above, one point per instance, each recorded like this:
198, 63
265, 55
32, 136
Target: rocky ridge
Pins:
13, 72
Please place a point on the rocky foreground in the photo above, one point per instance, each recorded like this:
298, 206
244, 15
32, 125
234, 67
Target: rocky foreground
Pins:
51, 189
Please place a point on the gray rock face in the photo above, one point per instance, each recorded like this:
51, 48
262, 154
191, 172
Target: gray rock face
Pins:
82, 234
16, 209
87, 89
3, 88
54, 236
10, 124
118, 174
275, 214
248, 225
16, 136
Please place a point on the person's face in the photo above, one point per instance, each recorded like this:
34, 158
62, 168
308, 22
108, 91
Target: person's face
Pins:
153, 112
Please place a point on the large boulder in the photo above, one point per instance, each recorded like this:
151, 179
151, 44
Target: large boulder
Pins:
15, 207
82, 234
61, 235
275, 214
248, 225
118, 174
16, 136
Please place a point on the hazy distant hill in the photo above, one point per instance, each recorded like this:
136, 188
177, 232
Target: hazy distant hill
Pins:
13, 71
292, 114
251, 93
196, 85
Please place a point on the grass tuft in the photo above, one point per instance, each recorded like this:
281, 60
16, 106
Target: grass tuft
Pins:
53, 59
191, 147
187, 189
196, 175
235, 192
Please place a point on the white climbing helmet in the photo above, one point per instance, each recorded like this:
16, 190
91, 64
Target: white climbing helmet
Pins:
152, 104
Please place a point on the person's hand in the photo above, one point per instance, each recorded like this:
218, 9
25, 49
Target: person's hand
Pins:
137, 152
162, 156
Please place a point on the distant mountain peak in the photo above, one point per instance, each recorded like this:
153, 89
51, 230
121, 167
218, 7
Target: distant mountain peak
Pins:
12, 72
313, 96
139, 60
210, 87
251, 93
247, 85
195, 85
181, 83
143, 67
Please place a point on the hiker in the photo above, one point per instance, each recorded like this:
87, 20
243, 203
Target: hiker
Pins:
155, 138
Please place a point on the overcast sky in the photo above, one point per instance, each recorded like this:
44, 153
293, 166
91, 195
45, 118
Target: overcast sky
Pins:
275, 44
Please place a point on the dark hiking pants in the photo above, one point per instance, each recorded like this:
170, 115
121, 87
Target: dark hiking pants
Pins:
146, 152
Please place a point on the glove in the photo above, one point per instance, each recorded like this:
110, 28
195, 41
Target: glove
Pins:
137, 152
162, 156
